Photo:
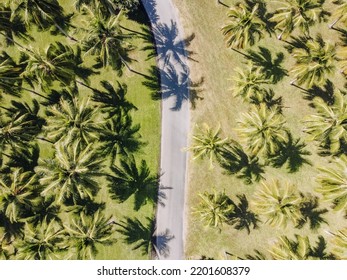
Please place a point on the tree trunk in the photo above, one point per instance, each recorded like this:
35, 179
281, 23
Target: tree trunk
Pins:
292, 83
331, 26
17, 44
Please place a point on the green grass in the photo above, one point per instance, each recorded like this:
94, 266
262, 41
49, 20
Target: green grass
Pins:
217, 64
147, 115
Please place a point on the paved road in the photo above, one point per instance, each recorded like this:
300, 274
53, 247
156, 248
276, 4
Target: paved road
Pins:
175, 125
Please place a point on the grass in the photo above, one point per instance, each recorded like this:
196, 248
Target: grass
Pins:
147, 115
217, 64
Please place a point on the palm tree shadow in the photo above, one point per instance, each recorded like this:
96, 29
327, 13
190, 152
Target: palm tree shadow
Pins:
271, 66
290, 153
151, 10
168, 47
144, 237
325, 92
170, 83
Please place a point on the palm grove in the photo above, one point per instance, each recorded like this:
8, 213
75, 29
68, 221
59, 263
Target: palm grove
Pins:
63, 139
313, 63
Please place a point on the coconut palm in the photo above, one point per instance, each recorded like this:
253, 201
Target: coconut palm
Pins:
120, 137
241, 217
339, 14
44, 242
248, 82
17, 131
58, 62
290, 153
107, 7
341, 56
86, 233
262, 129
301, 14
75, 119
71, 173
244, 27
214, 208
314, 63
133, 179
333, 183
17, 193
340, 243
235, 161
300, 249
208, 144
277, 203
105, 39
328, 124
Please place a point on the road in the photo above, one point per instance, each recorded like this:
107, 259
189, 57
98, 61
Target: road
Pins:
172, 63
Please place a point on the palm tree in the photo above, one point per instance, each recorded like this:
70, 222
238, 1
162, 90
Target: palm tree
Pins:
120, 136
341, 56
300, 14
107, 7
328, 125
262, 129
277, 203
244, 27
58, 62
290, 153
71, 120
208, 144
106, 40
242, 217
88, 232
130, 179
71, 173
314, 62
340, 14
300, 249
235, 161
340, 243
214, 208
247, 83
17, 194
333, 183
17, 131
44, 242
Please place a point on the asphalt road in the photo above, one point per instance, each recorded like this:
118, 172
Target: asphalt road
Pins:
174, 128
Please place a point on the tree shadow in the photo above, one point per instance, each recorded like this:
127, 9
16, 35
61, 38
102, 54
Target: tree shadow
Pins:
144, 237
169, 49
291, 153
309, 208
267, 97
150, 8
242, 217
140, 14
236, 161
25, 157
320, 251
174, 84
325, 92
270, 65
